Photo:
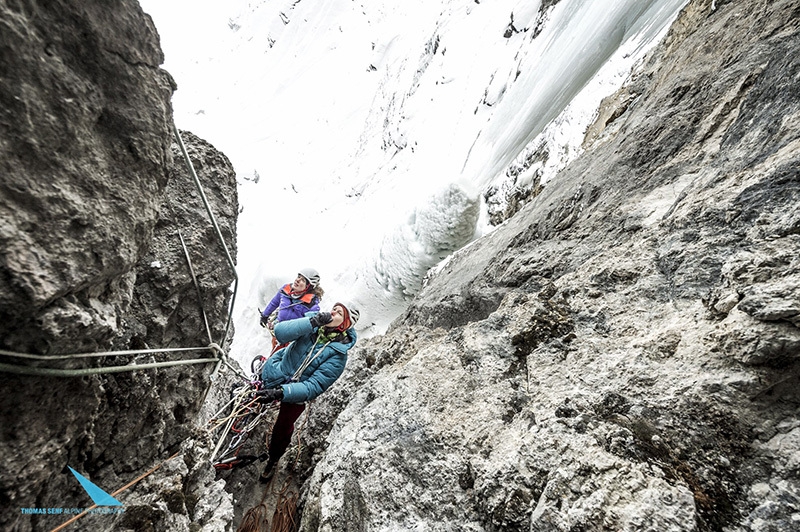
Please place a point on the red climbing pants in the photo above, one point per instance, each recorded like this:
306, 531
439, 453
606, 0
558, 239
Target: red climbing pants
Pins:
283, 429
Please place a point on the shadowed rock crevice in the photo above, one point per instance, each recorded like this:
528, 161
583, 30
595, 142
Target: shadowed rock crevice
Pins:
620, 354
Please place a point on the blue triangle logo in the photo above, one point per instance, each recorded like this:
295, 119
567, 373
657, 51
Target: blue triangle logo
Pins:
99, 497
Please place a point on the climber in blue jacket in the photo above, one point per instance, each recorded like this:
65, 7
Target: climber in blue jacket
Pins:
305, 368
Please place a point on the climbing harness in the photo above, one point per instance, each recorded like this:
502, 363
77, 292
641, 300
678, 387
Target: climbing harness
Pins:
244, 414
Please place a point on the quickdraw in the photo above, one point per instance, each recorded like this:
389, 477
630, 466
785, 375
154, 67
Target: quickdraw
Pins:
241, 415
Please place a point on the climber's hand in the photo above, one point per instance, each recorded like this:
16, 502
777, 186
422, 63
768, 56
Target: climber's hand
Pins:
320, 319
267, 396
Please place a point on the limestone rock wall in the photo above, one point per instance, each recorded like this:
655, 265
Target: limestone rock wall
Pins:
92, 196
85, 125
166, 310
622, 354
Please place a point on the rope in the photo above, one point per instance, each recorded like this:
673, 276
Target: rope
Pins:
190, 166
239, 410
196, 286
229, 420
211, 347
308, 360
20, 369
299, 434
237, 371
285, 509
123, 488
255, 520
56, 372
218, 412
220, 354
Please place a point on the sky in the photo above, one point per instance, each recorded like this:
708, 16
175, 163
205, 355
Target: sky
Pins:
365, 134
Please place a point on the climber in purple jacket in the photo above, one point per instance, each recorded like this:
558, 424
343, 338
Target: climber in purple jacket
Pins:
293, 300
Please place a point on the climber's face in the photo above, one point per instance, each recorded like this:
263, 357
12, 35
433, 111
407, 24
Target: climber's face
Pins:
300, 284
337, 313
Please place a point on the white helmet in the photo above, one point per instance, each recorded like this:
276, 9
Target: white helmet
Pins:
352, 309
311, 275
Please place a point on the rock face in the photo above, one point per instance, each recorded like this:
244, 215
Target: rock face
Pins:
93, 194
86, 132
166, 310
621, 354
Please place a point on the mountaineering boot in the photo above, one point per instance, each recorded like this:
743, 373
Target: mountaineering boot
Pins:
269, 471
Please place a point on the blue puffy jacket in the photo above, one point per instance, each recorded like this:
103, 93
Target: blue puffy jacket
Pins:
325, 360
290, 307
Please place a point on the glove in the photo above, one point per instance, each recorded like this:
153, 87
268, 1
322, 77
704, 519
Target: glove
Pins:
323, 318
264, 320
265, 397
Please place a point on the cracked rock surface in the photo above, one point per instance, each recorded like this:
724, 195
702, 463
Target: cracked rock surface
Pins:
622, 353
93, 194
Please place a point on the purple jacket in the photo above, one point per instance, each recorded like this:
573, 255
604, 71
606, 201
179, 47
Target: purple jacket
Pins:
290, 307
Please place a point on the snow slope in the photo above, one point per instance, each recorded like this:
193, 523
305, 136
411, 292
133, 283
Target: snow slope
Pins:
365, 134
